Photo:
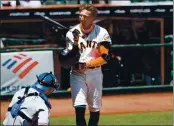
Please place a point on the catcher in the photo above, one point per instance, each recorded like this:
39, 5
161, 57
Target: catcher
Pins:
30, 105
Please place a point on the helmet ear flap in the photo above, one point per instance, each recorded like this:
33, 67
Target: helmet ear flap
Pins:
53, 81
45, 82
41, 80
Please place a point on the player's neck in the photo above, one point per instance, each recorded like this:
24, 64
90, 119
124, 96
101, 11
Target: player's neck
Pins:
86, 30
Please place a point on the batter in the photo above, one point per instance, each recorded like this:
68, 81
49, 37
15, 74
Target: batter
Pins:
86, 80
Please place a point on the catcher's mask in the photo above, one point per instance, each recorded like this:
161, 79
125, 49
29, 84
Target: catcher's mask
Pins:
46, 81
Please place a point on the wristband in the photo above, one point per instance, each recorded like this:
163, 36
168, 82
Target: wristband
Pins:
106, 57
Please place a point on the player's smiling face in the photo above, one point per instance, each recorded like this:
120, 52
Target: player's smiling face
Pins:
86, 18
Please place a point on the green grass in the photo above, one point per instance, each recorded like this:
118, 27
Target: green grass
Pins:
153, 118
149, 118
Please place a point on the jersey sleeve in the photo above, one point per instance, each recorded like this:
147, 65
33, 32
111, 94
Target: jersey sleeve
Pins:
106, 37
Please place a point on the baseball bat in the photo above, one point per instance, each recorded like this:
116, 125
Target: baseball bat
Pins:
54, 23
60, 26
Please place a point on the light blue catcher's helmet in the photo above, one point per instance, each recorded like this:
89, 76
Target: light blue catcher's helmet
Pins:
46, 81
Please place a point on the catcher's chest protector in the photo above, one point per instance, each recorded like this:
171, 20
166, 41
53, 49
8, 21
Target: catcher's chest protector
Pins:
69, 58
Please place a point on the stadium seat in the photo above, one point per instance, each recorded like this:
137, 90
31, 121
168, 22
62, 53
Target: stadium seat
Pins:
50, 2
60, 1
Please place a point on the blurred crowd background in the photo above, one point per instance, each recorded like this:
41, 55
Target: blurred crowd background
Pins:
54, 2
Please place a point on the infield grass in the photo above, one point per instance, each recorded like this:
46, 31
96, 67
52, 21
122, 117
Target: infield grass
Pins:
149, 118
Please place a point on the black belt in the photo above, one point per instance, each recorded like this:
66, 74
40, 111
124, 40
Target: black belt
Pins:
93, 67
22, 115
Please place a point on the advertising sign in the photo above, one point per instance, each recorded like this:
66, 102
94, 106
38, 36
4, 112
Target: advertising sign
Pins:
20, 69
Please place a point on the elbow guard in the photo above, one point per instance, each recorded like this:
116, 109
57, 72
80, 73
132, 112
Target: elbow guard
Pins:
106, 57
105, 44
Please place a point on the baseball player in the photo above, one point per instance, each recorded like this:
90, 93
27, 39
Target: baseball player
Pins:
86, 78
30, 105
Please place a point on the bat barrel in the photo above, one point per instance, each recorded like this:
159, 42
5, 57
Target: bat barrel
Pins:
52, 22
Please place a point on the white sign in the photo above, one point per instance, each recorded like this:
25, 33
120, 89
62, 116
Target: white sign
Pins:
19, 14
20, 69
60, 13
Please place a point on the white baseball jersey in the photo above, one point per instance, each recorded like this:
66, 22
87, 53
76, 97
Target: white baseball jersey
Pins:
89, 44
32, 105
86, 87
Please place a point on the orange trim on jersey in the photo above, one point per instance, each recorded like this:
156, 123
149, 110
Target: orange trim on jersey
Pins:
96, 62
103, 50
99, 61
88, 30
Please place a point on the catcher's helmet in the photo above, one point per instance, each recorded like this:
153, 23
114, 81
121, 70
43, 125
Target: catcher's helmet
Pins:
46, 81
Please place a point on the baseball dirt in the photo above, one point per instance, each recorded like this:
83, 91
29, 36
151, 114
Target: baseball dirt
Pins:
115, 104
